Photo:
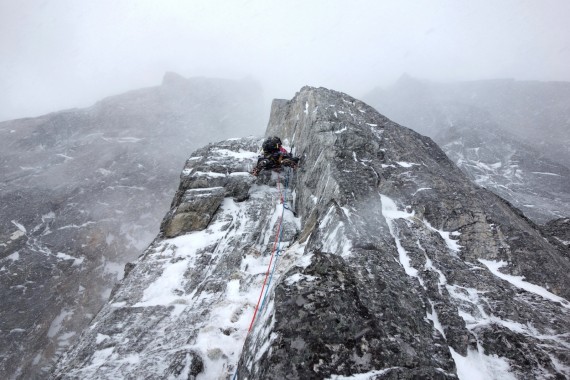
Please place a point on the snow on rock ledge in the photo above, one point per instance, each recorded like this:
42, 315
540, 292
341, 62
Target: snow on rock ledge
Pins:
374, 277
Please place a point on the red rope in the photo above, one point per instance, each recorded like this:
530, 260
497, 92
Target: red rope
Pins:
266, 275
275, 243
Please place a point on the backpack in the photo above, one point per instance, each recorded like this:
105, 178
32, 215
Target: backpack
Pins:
271, 145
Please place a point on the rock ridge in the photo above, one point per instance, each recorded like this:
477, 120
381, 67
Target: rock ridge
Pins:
393, 265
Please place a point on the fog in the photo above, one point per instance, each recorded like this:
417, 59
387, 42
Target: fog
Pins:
93, 185
63, 53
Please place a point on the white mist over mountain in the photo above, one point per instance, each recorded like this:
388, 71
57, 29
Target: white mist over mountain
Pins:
61, 54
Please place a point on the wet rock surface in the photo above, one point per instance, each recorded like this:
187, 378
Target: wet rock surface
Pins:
398, 266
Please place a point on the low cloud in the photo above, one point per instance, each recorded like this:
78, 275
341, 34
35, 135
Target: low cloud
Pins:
60, 54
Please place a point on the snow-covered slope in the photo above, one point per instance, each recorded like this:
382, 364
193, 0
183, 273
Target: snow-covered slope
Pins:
510, 137
83, 191
534, 184
382, 260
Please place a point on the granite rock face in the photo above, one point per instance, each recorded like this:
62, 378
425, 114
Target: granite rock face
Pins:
559, 229
391, 264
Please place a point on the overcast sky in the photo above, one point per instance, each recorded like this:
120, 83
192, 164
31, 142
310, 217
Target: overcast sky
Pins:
57, 54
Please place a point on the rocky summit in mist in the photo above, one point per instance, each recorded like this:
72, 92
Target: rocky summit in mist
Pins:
511, 137
391, 264
82, 192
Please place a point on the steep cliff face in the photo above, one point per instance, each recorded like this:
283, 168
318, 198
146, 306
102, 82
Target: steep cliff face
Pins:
391, 264
82, 192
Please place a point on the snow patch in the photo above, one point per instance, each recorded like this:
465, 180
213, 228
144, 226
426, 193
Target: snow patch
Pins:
56, 324
100, 357
76, 260
519, 282
240, 174
468, 305
478, 366
452, 244
101, 337
435, 319
17, 234
304, 261
161, 291
14, 256
391, 212
239, 155
363, 376
406, 164
298, 277
375, 131
429, 266
76, 226
551, 174
20, 227
48, 216
202, 192
335, 240
208, 174
421, 189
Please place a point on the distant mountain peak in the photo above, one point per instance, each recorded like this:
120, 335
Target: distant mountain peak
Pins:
171, 78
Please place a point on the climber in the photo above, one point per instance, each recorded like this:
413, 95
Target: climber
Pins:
274, 156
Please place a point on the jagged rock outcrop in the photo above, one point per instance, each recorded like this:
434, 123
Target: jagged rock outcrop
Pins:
394, 265
559, 229
83, 191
